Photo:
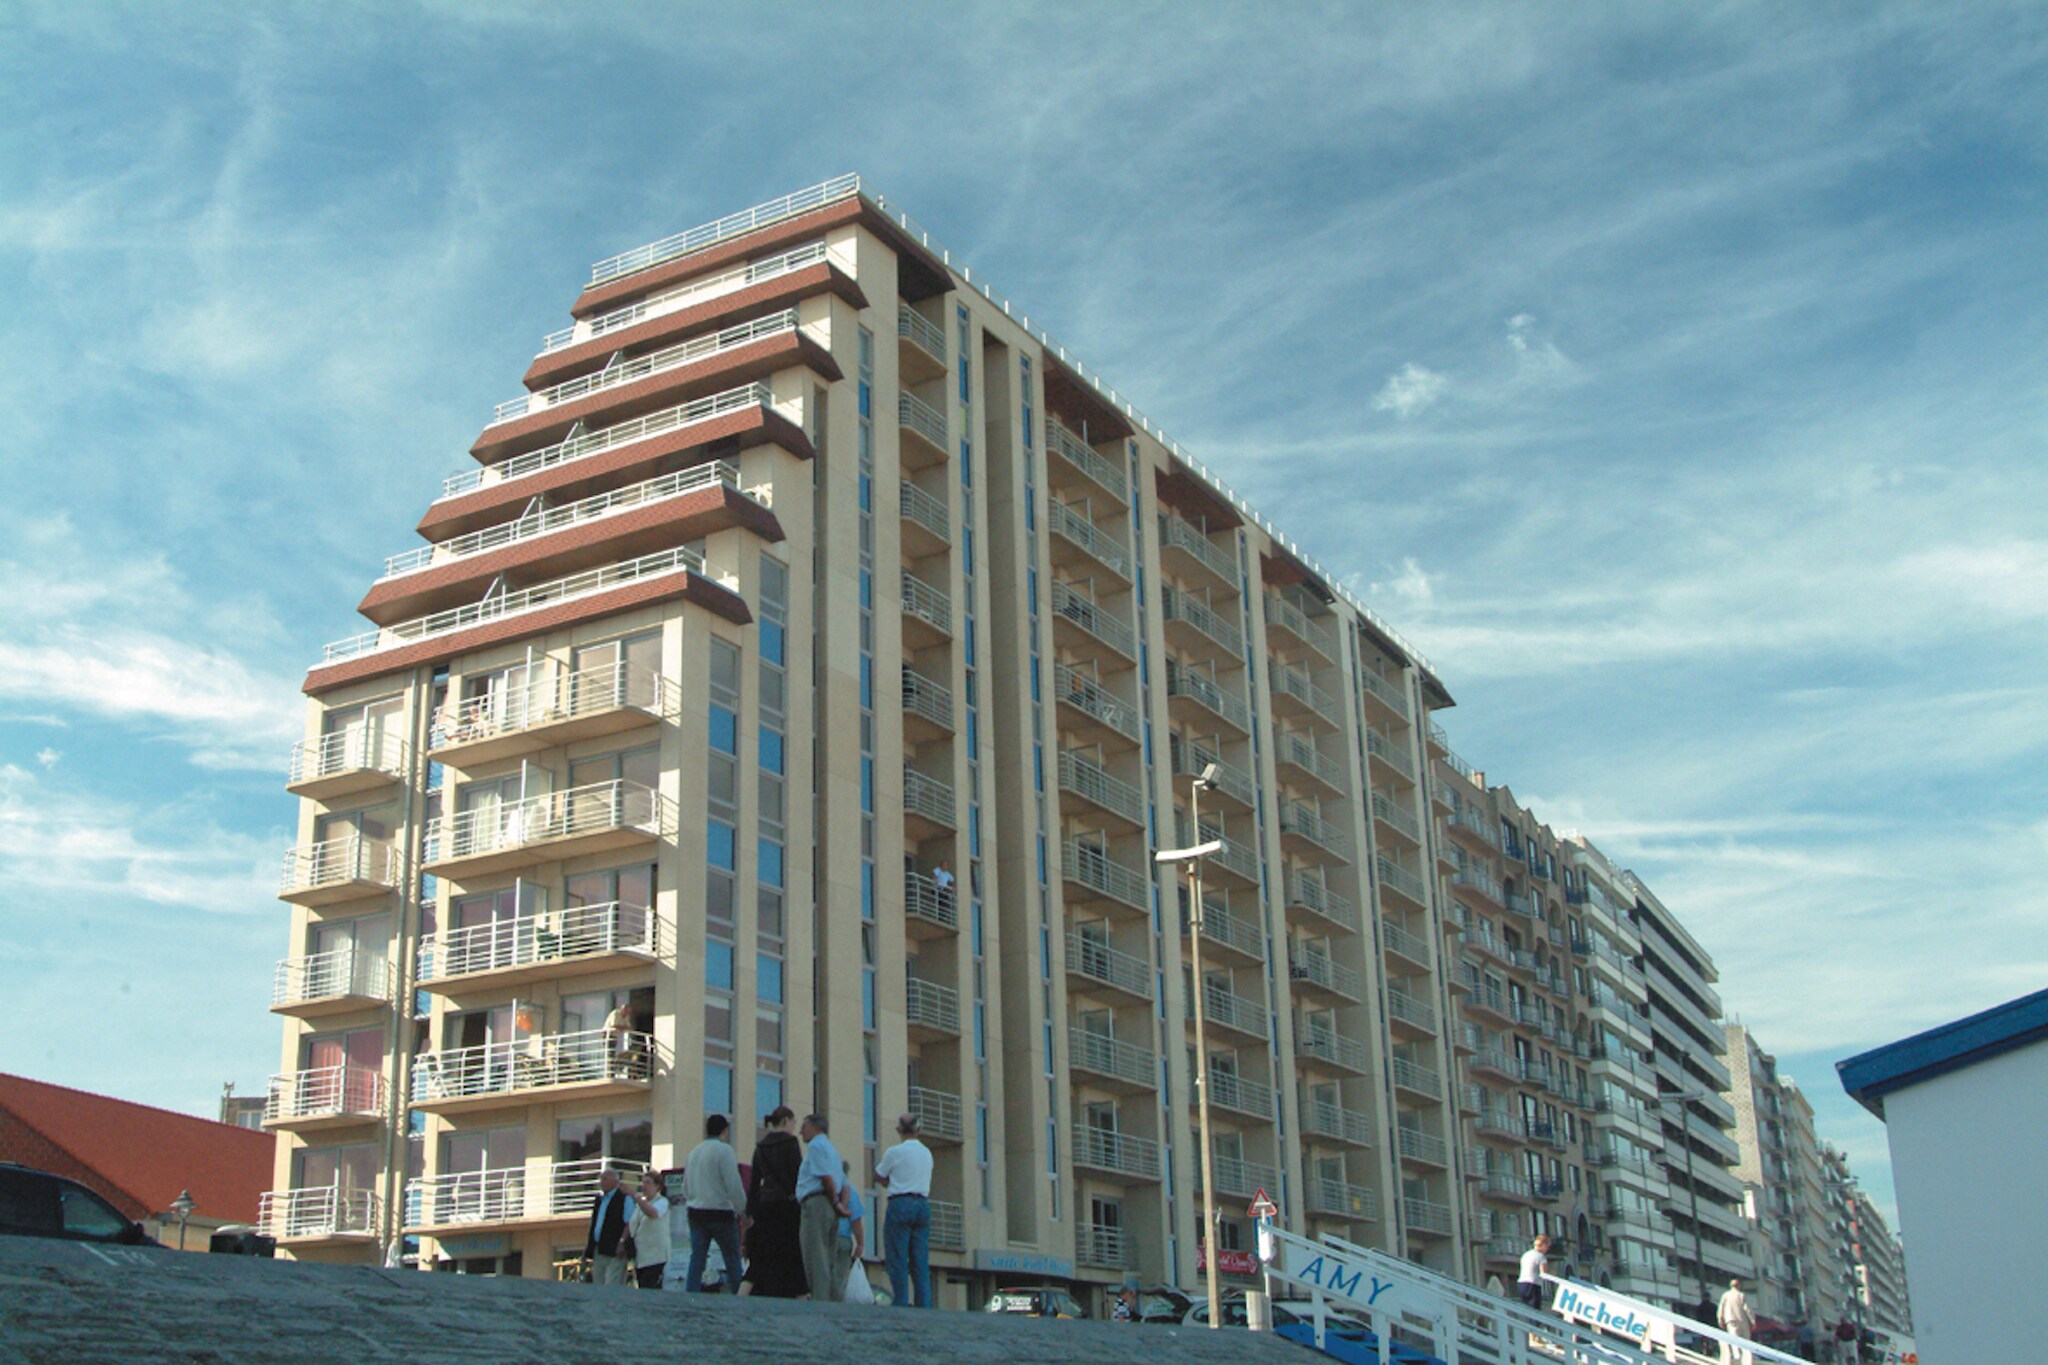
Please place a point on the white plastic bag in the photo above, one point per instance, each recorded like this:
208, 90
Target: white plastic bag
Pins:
858, 1290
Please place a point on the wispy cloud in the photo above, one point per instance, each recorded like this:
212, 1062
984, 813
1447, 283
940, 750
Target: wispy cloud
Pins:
1410, 390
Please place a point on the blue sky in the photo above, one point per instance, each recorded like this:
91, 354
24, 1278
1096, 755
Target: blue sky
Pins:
1672, 375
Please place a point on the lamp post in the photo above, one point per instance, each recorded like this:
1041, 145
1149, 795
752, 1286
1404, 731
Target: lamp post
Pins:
1193, 858
1692, 1190
182, 1206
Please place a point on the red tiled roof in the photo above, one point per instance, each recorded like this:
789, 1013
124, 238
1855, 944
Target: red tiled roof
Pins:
148, 1155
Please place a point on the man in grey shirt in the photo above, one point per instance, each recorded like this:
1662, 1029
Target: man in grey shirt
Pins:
820, 1206
715, 1198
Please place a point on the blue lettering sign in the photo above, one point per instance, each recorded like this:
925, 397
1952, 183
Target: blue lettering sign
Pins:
1313, 1271
1379, 1287
1339, 1285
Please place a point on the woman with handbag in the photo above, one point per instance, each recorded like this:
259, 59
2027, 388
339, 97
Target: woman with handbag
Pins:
647, 1238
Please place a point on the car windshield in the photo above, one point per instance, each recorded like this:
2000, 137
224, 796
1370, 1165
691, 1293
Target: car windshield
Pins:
87, 1215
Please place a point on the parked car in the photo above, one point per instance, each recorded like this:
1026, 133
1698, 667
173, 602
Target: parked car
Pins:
1038, 1301
36, 1203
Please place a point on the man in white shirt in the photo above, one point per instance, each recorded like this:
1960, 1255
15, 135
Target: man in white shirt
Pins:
714, 1198
905, 1171
1529, 1284
819, 1207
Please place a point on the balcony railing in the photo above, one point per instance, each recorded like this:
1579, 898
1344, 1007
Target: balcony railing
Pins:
937, 1113
1093, 868
927, 1004
1397, 878
1340, 1199
1317, 898
1320, 1118
551, 699
1407, 1008
1316, 968
1072, 525
923, 697
1087, 779
339, 862
733, 225
1421, 1079
1283, 613
541, 938
640, 367
1190, 539
1226, 1008
1235, 1176
1420, 1146
360, 748
916, 505
925, 900
559, 1192
1399, 940
548, 594
590, 809
1095, 619
1301, 821
345, 973
1298, 751
325, 1092
914, 414
1237, 1093
1106, 1056
1426, 1215
1475, 822
927, 604
1096, 961
586, 444
1233, 856
323, 1212
1185, 682
1387, 691
1327, 1045
1105, 1149
1105, 473
928, 797
1292, 682
949, 1225
1385, 808
533, 525
687, 295
1190, 757
1176, 605
1385, 750
921, 332
1091, 699
1097, 1244
590, 1057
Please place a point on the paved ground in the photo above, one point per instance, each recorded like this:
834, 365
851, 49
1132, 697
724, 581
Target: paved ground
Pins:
65, 1303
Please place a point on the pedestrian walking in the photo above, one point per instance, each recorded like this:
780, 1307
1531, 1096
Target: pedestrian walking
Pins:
713, 1201
1735, 1317
817, 1197
603, 1254
1529, 1284
775, 1263
648, 1230
852, 1235
905, 1172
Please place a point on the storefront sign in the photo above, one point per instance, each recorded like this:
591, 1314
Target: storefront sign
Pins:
1024, 1263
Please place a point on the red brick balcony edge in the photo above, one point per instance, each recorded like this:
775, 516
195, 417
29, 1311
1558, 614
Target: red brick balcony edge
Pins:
687, 584
602, 298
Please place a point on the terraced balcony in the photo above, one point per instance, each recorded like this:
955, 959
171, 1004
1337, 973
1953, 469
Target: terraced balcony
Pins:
1313, 899
1328, 1198
932, 1010
929, 909
1240, 1096
1397, 817
1234, 936
342, 868
1286, 619
928, 805
1307, 827
1399, 880
328, 1213
924, 442
1384, 691
1328, 1122
938, 1114
920, 346
334, 982
1394, 757
1223, 1008
654, 363
1315, 974
1418, 1080
1237, 1178
927, 706
1412, 949
927, 529
1426, 1216
1300, 754
323, 1097
535, 1195
1190, 757
1315, 1043
927, 613
1480, 883
1410, 1013
1420, 1148
1294, 694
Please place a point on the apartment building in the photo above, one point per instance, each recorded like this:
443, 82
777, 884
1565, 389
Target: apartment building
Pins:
682, 769
1817, 1258
1880, 1268
1766, 1170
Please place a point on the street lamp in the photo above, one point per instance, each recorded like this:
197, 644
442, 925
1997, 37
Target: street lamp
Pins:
1193, 858
182, 1206
1692, 1190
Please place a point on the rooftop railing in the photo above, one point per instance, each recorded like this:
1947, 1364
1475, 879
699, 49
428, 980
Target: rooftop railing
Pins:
1095, 619
1097, 961
593, 807
540, 937
1088, 779
1074, 526
535, 524
590, 443
553, 696
1103, 1055
344, 972
640, 367
732, 225
359, 748
1179, 534
587, 1057
1090, 698
1103, 472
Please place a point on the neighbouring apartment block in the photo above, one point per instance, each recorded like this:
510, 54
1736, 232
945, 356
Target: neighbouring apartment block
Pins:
683, 769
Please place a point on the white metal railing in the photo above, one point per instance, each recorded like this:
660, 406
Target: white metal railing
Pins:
1411, 1010
553, 697
1097, 961
1299, 820
540, 937
1328, 1045
1475, 822
1092, 867
928, 797
914, 504
1103, 472
949, 1225
1243, 1096
1106, 1056
1190, 757
927, 603
931, 1005
1314, 896
350, 971
1225, 1007
1193, 540
535, 524
1289, 617
589, 809
937, 1112
1402, 880
1477, 879
924, 697
587, 444
1388, 692
640, 367
1382, 748
1088, 779
1411, 946
924, 899
1292, 682
1095, 619
511, 1194
325, 1211
921, 417
1413, 1142
1426, 1215
921, 332
1090, 698
1321, 1118
359, 748
732, 225
1342, 1199
701, 290
1179, 606
1297, 750
334, 862
1185, 682
1236, 1176
536, 1063
1105, 1149
1220, 926
1318, 969
325, 1092
582, 584
1076, 527
1098, 1244
1383, 808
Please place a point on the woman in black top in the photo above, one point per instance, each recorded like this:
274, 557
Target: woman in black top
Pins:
775, 1262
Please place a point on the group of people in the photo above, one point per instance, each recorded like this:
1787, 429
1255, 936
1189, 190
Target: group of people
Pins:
1732, 1314
795, 1221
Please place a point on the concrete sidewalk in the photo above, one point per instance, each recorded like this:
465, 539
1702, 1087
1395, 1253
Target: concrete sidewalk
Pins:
67, 1303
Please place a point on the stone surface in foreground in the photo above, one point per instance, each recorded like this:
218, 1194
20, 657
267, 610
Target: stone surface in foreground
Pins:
64, 1303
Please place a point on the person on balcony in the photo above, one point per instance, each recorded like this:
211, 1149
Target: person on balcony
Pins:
942, 882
